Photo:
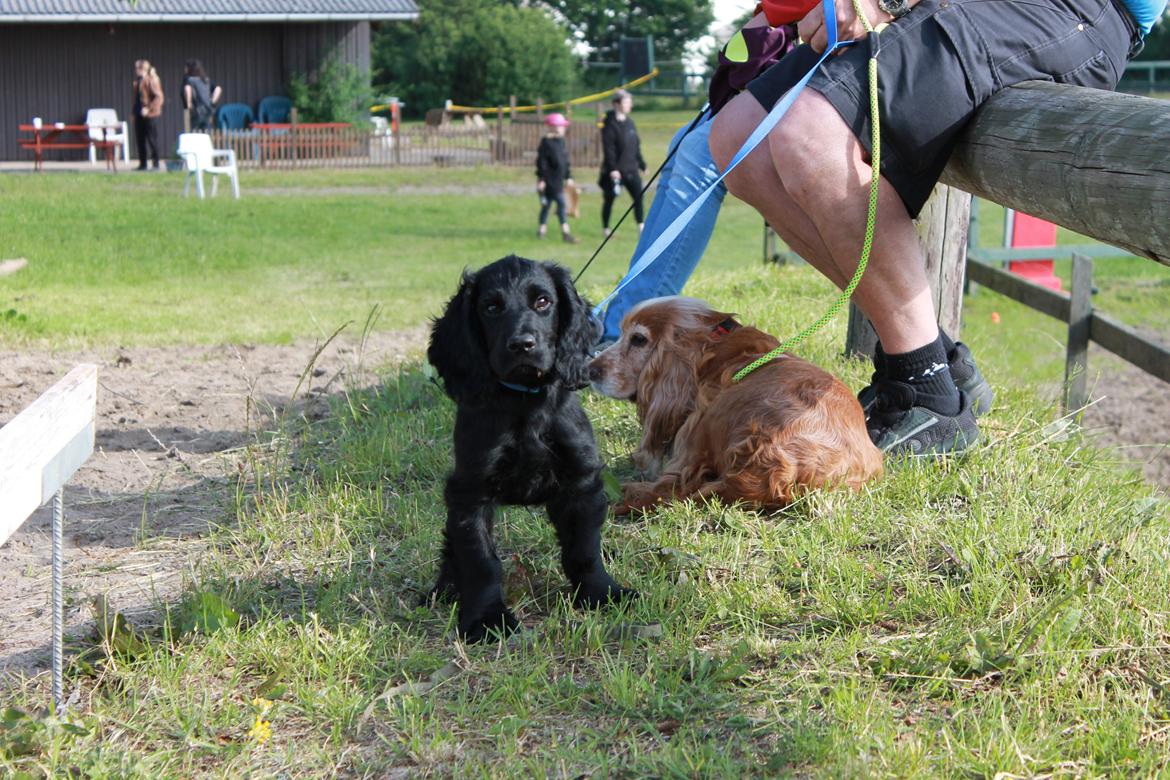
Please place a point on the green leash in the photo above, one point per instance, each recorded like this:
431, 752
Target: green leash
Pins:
870, 217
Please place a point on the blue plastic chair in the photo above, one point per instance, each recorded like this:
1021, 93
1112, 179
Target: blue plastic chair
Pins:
274, 109
234, 116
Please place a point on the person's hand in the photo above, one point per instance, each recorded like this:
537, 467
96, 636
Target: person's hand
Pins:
615, 175
540, 185
145, 111
849, 27
568, 181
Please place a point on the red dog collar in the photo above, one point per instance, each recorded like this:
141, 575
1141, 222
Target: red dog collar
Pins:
723, 328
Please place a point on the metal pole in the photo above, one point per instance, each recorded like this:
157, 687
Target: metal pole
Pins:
58, 600
1009, 227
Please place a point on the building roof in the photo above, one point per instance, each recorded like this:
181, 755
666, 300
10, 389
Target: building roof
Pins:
204, 10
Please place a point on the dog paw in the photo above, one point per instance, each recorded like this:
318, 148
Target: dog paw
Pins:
603, 594
443, 593
637, 497
494, 624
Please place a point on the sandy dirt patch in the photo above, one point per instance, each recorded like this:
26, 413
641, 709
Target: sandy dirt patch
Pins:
172, 427
1130, 414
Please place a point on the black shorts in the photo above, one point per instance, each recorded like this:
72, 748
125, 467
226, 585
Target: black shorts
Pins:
942, 60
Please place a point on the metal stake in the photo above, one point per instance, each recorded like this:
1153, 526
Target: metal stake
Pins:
58, 600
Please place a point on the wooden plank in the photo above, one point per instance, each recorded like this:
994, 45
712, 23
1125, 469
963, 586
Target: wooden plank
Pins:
942, 232
44, 445
942, 229
1019, 289
1120, 339
1076, 384
1128, 344
1092, 161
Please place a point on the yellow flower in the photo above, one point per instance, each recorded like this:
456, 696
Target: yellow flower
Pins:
261, 730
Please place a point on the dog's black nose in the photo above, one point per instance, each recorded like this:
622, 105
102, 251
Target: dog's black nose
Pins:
523, 343
594, 373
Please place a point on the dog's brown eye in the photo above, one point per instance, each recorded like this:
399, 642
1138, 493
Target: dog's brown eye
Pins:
542, 303
638, 340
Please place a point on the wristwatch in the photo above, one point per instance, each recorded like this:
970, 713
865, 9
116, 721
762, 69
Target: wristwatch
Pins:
895, 8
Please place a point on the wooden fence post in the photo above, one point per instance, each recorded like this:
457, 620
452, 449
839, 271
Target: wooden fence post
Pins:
942, 231
292, 135
540, 109
511, 108
1080, 315
499, 155
395, 138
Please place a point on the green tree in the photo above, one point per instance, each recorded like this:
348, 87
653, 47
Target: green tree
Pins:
603, 23
475, 52
337, 93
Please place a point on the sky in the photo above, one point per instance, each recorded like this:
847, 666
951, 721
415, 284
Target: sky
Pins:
727, 11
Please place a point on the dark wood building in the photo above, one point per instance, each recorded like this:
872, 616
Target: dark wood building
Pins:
59, 58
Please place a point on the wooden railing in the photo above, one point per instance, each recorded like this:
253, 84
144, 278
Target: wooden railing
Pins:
338, 145
1084, 325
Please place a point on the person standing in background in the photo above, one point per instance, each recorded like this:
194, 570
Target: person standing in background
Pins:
622, 163
200, 94
552, 174
148, 103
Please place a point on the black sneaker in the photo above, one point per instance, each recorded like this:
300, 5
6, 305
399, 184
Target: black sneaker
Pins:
899, 427
967, 378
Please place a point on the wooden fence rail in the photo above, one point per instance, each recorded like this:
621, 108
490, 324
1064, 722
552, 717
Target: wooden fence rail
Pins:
505, 143
1085, 324
1092, 161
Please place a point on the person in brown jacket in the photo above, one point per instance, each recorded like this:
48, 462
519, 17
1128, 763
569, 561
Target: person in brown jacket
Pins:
148, 103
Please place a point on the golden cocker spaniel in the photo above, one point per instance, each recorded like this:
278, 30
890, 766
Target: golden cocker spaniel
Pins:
787, 428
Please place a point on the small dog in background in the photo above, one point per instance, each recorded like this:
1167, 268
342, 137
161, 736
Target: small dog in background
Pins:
786, 428
512, 349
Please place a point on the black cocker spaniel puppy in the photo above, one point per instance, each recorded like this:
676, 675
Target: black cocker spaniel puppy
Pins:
512, 349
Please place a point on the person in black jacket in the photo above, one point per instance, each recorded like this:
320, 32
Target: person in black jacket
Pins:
552, 173
622, 163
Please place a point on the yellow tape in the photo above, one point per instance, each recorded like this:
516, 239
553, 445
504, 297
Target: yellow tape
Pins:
550, 106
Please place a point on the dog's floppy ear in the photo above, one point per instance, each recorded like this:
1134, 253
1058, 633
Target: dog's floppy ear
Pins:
577, 331
457, 348
666, 393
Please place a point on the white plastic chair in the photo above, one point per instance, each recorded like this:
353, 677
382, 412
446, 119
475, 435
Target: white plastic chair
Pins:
101, 121
199, 158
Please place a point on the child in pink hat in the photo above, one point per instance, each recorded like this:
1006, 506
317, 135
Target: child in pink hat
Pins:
552, 173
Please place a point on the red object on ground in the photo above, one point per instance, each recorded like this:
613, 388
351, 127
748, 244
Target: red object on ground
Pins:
1033, 232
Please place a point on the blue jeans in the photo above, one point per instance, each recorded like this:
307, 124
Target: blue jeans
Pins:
688, 173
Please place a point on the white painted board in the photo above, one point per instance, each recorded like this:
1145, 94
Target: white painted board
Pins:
44, 445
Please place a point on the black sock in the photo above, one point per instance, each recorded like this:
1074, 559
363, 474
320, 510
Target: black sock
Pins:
925, 369
947, 342
879, 360
879, 354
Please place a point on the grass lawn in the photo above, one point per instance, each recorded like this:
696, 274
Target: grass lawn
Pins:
1007, 613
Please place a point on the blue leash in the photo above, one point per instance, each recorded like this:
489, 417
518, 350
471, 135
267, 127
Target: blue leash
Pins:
667, 237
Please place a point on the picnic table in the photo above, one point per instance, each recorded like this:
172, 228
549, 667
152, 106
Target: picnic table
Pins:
61, 136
